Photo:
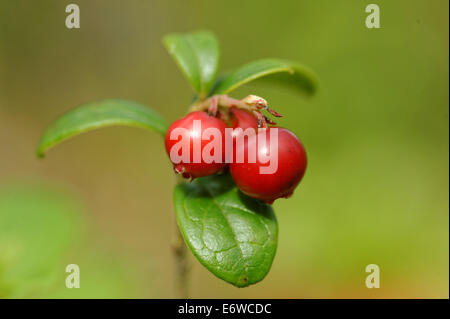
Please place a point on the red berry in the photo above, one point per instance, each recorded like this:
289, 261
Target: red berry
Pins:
243, 119
291, 158
194, 164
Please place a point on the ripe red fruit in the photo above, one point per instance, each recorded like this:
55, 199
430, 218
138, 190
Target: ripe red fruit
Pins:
189, 168
290, 170
243, 119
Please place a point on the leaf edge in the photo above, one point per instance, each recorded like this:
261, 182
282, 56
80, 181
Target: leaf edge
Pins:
43, 148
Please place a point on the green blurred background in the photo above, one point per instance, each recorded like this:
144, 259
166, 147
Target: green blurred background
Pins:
376, 189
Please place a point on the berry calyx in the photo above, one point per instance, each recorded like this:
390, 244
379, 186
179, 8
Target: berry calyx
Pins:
188, 145
251, 103
289, 155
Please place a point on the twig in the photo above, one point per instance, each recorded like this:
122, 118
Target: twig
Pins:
181, 265
180, 251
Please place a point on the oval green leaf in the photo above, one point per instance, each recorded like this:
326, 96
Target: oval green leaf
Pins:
232, 235
100, 114
283, 72
197, 55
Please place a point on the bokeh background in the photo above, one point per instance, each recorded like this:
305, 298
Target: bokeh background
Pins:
376, 190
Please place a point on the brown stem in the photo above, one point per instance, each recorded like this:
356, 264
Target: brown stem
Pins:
180, 252
181, 265
251, 103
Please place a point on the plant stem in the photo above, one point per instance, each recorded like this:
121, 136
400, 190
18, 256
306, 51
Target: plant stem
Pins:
180, 251
181, 265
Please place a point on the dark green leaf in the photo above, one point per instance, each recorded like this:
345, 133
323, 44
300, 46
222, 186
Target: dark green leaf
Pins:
100, 114
231, 234
277, 71
197, 55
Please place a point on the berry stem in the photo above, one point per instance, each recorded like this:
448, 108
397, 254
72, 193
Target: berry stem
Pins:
251, 103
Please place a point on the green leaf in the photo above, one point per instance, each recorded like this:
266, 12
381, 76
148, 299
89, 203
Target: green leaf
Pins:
197, 55
232, 235
100, 114
283, 72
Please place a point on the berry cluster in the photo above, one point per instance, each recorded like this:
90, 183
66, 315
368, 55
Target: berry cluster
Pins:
222, 112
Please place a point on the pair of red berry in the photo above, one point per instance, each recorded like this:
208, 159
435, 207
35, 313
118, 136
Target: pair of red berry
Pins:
291, 156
